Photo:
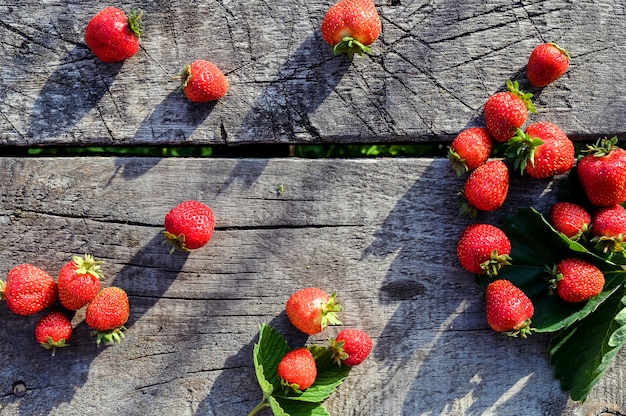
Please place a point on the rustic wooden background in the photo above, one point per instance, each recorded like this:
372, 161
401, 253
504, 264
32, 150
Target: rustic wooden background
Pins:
431, 71
380, 232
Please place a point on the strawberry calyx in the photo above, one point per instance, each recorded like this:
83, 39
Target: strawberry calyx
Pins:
185, 76
351, 46
495, 263
523, 331
560, 49
457, 162
88, 265
110, 336
521, 148
339, 355
290, 386
330, 310
51, 344
553, 277
526, 97
2, 284
134, 22
602, 147
466, 209
177, 241
612, 244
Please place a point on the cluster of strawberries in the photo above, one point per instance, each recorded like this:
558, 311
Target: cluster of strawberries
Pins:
307, 375
311, 310
541, 151
29, 290
350, 26
190, 225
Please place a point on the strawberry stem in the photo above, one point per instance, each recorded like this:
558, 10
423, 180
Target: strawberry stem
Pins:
562, 50
329, 312
264, 403
111, 336
134, 22
88, 265
457, 162
521, 148
351, 46
602, 147
513, 87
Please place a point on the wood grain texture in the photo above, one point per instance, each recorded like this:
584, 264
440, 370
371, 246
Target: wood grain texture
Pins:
381, 233
431, 71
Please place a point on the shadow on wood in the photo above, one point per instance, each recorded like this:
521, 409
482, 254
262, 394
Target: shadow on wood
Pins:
58, 106
47, 393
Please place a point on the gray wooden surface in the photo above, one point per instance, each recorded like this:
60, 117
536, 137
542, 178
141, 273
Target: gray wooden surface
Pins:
381, 233
432, 69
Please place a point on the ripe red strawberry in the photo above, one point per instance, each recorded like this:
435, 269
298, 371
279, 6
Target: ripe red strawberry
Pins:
547, 63
483, 248
189, 225
28, 290
507, 111
470, 149
351, 347
311, 310
570, 219
486, 188
112, 36
609, 229
202, 82
297, 369
107, 313
602, 173
351, 26
543, 151
53, 331
576, 280
508, 308
79, 281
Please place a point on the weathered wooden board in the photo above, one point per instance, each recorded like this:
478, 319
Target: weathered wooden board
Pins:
432, 69
381, 233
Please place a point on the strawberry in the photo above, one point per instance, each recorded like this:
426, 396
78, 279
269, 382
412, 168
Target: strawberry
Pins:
483, 248
470, 149
112, 36
602, 173
576, 280
53, 331
189, 225
547, 63
509, 310
202, 82
311, 310
571, 219
107, 313
351, 347
507, 111
28, 289
542, 151
351, 26
486, 188
79, 281
609, 229
297, 370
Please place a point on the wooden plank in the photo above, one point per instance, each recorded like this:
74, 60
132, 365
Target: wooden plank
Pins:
381, 233
432, 69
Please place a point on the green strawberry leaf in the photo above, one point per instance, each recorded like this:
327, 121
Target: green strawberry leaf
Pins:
329, 377
582, 352
267, 353
288, 407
